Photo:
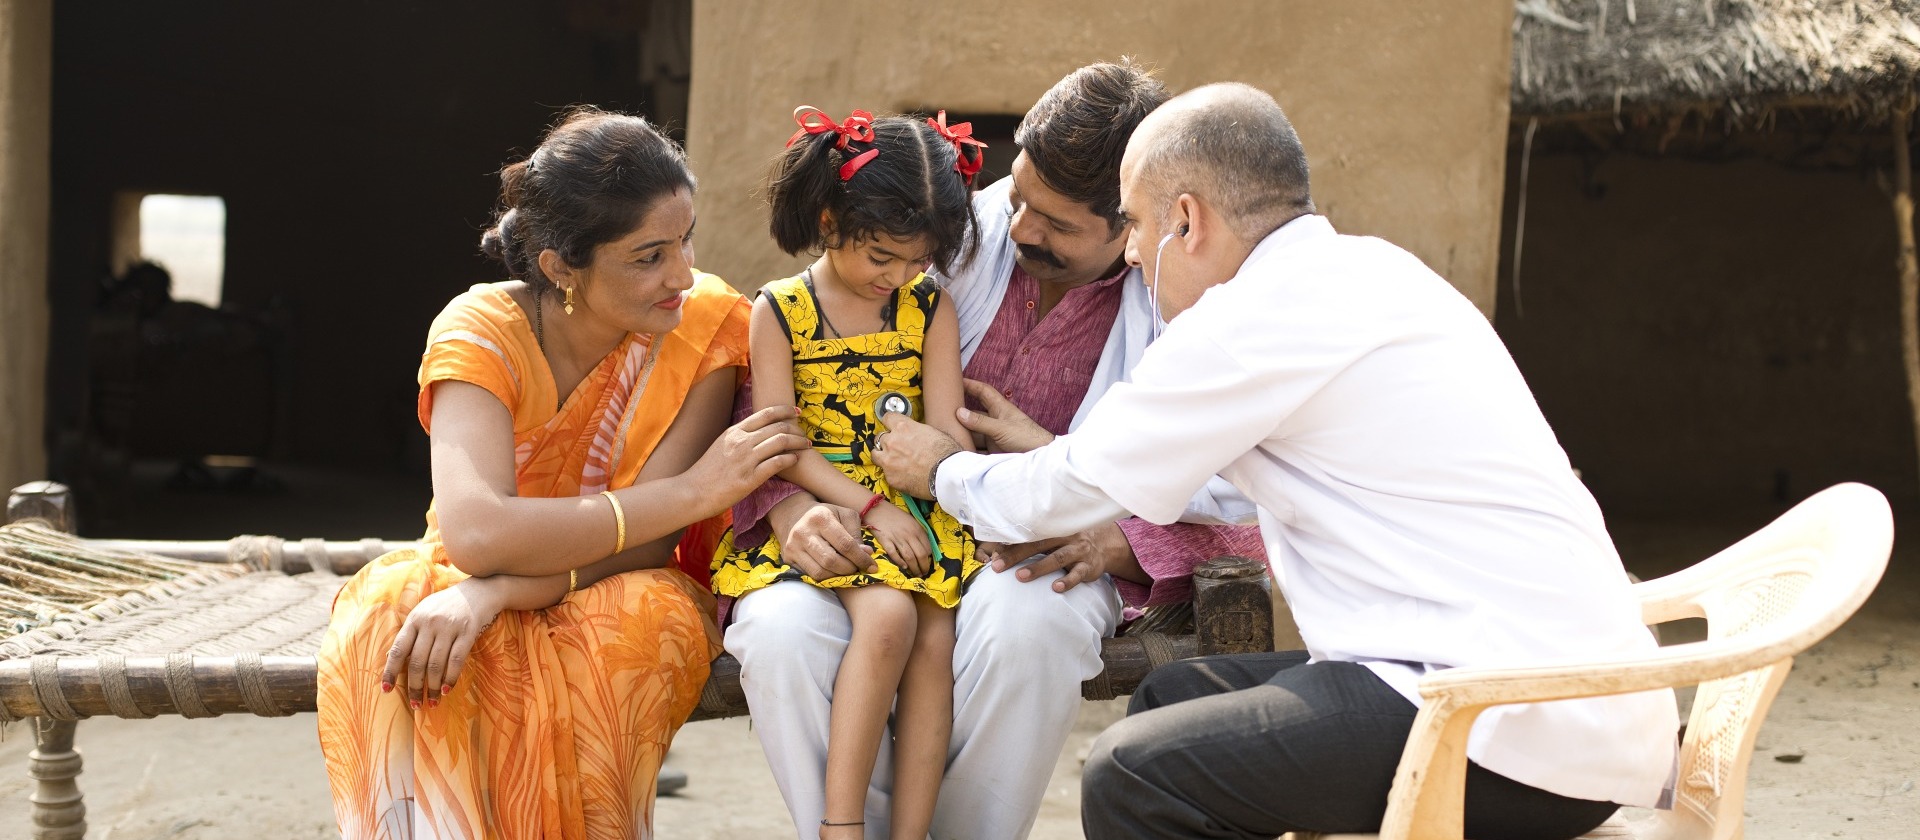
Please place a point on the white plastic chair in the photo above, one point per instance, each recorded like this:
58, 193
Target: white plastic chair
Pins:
1765, 599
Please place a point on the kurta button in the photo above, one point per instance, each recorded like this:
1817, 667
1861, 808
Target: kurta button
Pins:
1029, 304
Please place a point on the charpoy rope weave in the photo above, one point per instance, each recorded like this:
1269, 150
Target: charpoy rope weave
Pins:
211, 611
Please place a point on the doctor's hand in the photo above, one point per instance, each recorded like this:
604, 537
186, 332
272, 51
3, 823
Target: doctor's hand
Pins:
1006, 428
1083, 557
908, 451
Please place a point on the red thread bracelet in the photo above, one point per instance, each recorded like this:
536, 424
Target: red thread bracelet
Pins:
871, 503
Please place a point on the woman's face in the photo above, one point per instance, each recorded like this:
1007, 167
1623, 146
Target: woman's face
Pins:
638, 281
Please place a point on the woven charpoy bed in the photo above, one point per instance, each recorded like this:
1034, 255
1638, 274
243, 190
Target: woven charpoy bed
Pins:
138, 628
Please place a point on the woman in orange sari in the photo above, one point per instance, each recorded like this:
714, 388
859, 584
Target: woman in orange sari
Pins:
521, 674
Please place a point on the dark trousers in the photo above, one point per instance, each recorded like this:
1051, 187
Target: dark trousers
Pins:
1262, 744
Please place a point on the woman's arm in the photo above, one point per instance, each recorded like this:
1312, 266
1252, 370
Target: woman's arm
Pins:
433, 642
489, 530
773, 386
702, 419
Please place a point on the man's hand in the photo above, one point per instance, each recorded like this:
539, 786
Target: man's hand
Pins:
1006, 428
1085, 556
908, 451
821, 540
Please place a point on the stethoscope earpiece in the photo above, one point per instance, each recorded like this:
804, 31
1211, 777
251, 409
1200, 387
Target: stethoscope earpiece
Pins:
1153, 289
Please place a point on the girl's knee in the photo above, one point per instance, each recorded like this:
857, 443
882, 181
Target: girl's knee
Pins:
936, 633
884, 619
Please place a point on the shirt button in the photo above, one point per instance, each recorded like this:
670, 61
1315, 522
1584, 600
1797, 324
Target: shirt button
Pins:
1029, 304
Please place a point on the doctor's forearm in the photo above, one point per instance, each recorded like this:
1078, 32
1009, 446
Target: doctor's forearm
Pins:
1021, 498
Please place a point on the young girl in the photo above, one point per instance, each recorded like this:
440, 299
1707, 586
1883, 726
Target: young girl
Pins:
858, 334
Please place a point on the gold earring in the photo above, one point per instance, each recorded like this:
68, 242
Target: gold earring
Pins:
569, 307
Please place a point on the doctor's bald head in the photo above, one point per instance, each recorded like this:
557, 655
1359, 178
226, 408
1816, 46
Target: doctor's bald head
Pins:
1205, 178
1228, 144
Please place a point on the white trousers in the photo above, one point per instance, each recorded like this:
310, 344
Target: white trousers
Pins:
1023, 650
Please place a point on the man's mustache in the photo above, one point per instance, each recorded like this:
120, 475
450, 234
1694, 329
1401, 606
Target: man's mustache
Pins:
1039, 255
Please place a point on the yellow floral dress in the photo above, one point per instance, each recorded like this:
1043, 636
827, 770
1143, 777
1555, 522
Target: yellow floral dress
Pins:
838, 384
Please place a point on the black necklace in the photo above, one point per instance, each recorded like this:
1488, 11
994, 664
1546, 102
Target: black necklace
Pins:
886, 309
539, 334
821, 305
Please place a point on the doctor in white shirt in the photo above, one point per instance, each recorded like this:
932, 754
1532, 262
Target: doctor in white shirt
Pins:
1419, 513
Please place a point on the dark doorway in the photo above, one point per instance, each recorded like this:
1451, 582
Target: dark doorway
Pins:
355, 147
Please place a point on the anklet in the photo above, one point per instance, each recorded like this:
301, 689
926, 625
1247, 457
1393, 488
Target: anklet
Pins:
823, 821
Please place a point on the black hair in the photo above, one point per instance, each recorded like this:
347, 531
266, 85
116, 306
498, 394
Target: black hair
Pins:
1078, 131
595, 175
911, 188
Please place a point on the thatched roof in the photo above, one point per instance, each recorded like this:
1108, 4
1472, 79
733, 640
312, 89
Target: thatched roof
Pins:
1598, 57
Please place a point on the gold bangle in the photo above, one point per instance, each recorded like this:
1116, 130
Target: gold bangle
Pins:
573, 580
619, 522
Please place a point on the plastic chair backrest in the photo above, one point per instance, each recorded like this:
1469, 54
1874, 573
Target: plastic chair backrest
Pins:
1795, 580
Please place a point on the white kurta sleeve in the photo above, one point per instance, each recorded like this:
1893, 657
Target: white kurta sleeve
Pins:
1218, 382
1191, 409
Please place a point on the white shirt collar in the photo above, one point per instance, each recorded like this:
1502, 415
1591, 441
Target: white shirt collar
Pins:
1301, 229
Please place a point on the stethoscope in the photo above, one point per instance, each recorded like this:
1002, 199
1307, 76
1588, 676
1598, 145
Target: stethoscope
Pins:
1153, 289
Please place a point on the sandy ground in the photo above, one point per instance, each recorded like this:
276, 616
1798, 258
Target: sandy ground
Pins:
1849, 710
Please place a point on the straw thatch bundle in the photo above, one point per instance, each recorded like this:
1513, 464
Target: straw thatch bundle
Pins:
1592, 58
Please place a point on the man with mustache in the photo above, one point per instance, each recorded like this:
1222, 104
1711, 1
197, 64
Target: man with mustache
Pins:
1050, 317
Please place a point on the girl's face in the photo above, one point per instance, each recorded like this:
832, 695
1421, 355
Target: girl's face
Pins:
637, 282
874, 267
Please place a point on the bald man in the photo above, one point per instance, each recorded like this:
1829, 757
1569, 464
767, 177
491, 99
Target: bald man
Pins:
1418, 510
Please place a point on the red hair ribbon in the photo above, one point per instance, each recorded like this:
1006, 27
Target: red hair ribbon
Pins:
847, 169
859, 126
961, 136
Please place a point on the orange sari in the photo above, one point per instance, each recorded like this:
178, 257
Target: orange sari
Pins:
563, 715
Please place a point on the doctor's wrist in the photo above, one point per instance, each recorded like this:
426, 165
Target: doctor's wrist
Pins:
933, 474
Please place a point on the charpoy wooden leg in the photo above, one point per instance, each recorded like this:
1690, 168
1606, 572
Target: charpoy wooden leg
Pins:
59, 812
1232, 606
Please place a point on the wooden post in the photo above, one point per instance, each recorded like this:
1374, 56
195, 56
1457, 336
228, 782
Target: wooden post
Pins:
1232, 606
1909, 269
59, 810
47, 501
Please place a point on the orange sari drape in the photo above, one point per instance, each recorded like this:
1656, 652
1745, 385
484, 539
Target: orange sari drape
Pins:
563, 715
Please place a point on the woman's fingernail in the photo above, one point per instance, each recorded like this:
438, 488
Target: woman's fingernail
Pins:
415, 704
431, 704
386, 687
446, 689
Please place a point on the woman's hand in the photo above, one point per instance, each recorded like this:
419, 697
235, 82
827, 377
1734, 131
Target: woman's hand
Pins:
434, 641
745, 456
903, 538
